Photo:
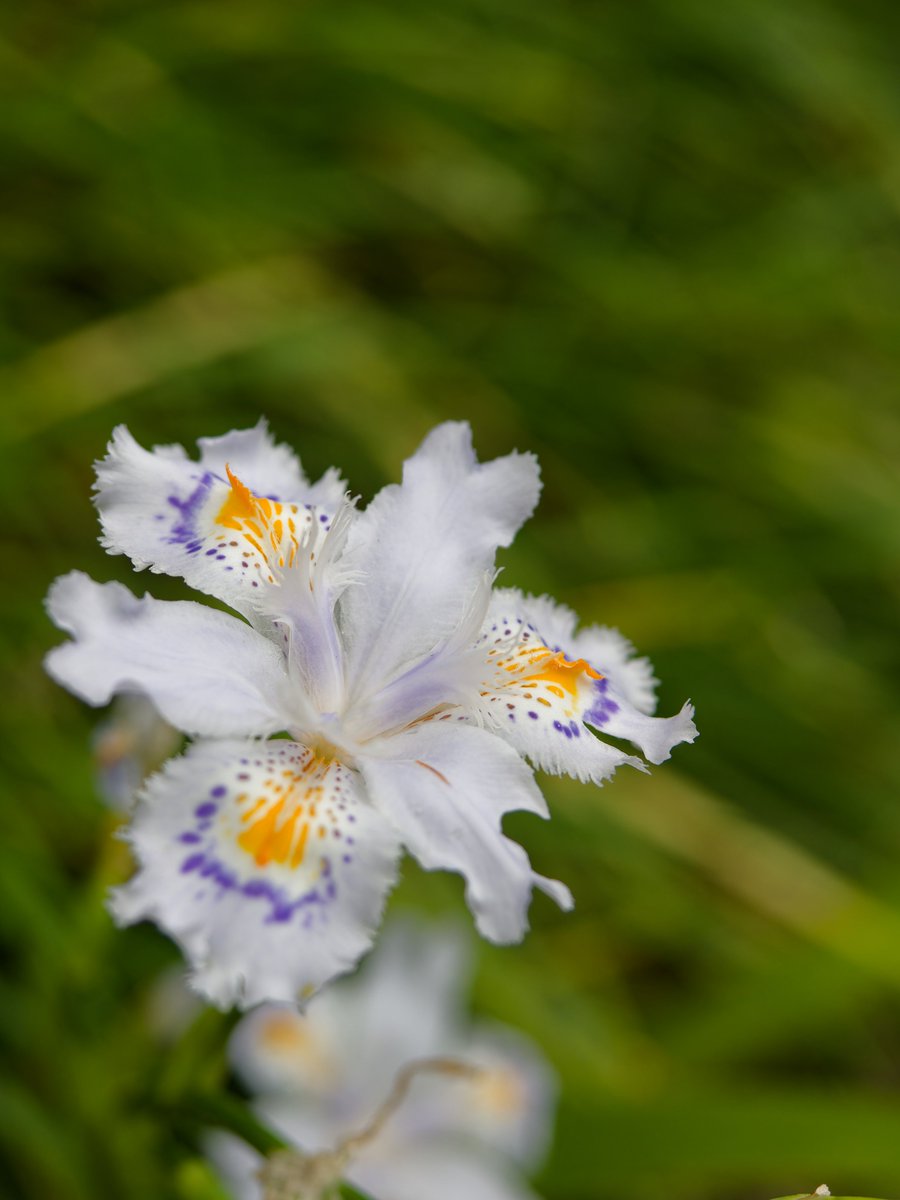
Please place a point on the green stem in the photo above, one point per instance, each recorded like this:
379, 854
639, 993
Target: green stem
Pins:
204, 1109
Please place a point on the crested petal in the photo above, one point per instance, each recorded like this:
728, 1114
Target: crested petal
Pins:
422, 549
223, 523
539, 693
606, 649
265, 863
207, 672
445, 787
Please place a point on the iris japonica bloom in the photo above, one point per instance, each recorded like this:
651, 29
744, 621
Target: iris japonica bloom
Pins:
318, 1077
410, 691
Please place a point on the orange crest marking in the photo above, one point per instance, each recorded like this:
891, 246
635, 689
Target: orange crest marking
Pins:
239, 506
558, 673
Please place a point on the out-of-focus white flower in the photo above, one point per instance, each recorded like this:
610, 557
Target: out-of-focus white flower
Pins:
321, 1076
129, 745
409, 689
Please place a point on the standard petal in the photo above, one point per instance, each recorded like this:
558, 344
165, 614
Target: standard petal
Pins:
265, 863
422, 549
224, 523
207, 672
539, 693
445, 788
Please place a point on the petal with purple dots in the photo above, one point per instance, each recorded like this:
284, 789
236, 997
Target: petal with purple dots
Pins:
540, 694
226, 523
264, 862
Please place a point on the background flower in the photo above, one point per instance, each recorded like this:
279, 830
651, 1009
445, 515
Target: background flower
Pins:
322, 1076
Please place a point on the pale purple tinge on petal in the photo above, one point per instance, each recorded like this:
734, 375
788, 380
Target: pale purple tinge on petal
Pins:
423, 547
265, 863
132, 743
321, 1076
445, 787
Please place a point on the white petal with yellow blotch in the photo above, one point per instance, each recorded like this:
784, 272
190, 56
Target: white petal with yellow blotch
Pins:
264, 861
223, 523
540, 694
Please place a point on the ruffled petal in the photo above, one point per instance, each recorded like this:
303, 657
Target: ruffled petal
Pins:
268, 468
224, 523
614, 656
207, 672
445, 787
539, 693
606, 649
265, 863
422, 549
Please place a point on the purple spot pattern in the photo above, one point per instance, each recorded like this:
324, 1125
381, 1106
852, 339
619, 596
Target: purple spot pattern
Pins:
208, 866
509, 634
184, 531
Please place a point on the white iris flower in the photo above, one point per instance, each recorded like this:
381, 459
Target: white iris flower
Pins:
318, 1077
408, 688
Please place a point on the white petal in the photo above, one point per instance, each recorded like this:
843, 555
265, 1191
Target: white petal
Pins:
222, 533
423, 548
431, 1169
265, 863
269, 469
539, 694
614, 656
445, 788
206, 671
277, 1050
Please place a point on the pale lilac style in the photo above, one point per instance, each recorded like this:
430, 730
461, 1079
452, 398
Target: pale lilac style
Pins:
410, 690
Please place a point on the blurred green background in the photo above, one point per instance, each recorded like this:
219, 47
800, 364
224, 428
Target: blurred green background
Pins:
656, 243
